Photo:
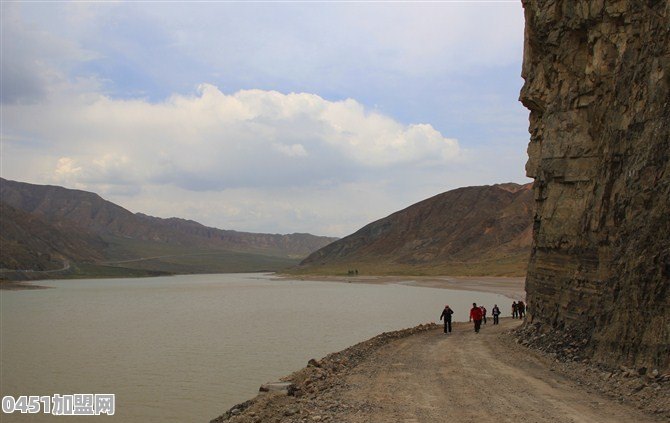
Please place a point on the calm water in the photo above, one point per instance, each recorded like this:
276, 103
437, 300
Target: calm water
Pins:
186, 348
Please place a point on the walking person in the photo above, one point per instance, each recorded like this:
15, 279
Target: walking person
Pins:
446, 314
476, 316
515, 310
495, 311
522, 309
483, 313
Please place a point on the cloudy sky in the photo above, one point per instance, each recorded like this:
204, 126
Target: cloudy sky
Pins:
263, 117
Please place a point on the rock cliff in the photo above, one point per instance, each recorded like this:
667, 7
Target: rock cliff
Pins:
597, 83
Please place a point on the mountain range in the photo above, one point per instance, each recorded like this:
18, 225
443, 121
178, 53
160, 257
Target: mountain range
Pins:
43, 226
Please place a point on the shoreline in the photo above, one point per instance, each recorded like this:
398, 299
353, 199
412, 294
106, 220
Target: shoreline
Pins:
20, 286
510, 287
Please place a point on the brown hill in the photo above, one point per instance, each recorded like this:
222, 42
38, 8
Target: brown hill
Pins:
483, 230
87, 210
141, 241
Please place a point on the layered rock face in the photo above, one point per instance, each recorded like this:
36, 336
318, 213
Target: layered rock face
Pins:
598, 88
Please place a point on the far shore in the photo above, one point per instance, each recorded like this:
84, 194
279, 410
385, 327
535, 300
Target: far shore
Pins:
19, 285
510, 287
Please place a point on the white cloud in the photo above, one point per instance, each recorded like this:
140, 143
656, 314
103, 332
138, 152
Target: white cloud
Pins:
65, 168
294, 150
215, 141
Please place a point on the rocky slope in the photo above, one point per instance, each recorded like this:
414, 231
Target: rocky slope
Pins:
483, 230
597, 83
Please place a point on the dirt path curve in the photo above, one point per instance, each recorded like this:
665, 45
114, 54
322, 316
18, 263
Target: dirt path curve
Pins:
462, 377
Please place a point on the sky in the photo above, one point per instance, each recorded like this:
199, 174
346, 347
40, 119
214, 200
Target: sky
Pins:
273, 117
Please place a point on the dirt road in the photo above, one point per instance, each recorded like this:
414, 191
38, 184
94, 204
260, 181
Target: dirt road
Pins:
464, 377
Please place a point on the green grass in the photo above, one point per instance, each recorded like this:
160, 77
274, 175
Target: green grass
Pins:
214, 262
91, 270
125, 248
120, 248
124, 253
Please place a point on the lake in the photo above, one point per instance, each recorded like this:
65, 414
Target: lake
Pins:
186, 348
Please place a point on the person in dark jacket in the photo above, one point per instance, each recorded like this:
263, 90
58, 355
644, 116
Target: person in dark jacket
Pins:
522, 309
446, 314
515, 310
476, 316
495, 311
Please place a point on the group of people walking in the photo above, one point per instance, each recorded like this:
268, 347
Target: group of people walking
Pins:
478, 315
518, 310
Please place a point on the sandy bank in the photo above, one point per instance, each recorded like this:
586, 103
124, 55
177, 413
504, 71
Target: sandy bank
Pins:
513, 288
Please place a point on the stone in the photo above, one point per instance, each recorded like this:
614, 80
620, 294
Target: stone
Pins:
290, 411
275, 386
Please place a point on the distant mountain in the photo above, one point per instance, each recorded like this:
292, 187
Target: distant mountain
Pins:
145, 241
483, 230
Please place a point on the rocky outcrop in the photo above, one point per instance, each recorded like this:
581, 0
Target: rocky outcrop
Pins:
598, 88
482, 230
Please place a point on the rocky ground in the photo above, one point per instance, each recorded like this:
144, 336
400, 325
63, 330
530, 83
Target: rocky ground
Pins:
423, 375
643, 388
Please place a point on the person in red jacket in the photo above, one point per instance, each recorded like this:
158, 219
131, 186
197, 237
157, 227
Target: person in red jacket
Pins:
476, 316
